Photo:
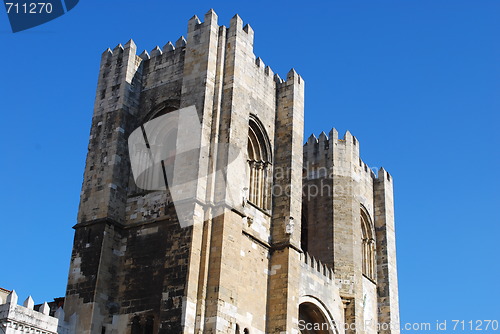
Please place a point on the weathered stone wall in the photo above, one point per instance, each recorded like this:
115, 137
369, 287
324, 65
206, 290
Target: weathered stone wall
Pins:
318, 286
387, 288
17, 319
337, 186
238, 264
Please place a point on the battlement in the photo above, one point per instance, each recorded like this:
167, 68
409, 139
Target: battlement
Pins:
130, 239
114, 56
24, 318
243, 34
329, 151
316, 266
324, 144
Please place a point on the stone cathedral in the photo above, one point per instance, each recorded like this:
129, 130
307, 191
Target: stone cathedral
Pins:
309, 247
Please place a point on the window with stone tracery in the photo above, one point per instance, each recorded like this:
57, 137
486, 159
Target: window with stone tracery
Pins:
368, 244
259, 165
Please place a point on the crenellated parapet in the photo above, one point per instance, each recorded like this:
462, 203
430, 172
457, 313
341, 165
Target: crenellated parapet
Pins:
284, 224
122, 67
318, 285
316, 266
349, 211
213, 68
16, 318
329, 154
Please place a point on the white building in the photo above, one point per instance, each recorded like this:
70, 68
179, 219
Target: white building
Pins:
17, 319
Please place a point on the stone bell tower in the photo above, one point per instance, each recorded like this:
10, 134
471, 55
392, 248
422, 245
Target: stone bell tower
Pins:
134, 269
248, 251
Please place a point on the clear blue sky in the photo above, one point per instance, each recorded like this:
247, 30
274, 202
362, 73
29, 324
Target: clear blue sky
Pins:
418, 83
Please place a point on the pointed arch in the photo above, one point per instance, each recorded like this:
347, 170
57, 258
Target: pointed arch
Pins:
314, 317
368, 243
259, 164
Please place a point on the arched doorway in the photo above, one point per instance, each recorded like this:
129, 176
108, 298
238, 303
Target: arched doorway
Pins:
312, 320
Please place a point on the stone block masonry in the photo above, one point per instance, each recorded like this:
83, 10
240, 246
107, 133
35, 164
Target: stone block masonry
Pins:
279, 256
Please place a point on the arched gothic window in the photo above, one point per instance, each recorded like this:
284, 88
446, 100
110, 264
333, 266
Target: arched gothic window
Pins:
368, 242
313, 320
259, 165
